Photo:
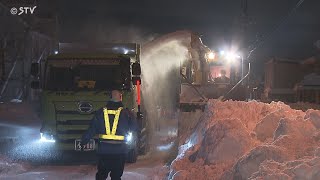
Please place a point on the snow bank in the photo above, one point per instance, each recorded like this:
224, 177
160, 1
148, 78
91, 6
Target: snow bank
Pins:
225, 134
18, 114
297, 169
7, 167
250, 140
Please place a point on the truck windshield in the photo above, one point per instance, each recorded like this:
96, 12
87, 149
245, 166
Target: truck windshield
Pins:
88, 77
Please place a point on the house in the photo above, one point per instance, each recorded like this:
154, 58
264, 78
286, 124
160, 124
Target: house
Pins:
281, 76
308, 89
291, 80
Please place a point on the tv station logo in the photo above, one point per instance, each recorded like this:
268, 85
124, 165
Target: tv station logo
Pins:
22, 10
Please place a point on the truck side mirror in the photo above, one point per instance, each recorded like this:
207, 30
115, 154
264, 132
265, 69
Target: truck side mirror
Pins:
136, 69
135, 80
35, 85
34, 69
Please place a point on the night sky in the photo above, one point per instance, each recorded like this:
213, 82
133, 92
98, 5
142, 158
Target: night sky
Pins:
216, 20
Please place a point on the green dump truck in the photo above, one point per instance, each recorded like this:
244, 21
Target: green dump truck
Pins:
77, 81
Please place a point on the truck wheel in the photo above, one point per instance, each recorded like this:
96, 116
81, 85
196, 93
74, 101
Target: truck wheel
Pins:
132, 156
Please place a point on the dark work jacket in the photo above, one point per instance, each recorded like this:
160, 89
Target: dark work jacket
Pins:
126, 123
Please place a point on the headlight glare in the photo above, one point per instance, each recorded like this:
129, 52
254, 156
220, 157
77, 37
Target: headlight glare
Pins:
47, 138
129, 137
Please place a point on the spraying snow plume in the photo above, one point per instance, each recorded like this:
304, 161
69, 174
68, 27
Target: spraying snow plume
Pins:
112, 32
160, 61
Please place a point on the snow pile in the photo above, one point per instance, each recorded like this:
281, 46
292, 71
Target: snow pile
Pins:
21, 114
225, 134
250, 140
8, 167
299, 169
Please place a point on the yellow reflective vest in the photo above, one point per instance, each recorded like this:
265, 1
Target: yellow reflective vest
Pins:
111, 134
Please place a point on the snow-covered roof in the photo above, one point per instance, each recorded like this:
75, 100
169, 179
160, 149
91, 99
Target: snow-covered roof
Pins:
312, 79
285, 60
311, 60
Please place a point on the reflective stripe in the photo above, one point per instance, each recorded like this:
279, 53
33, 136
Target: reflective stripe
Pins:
115, 122
111, 135
112, 112
106, 120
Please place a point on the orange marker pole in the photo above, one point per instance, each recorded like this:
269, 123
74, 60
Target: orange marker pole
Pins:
138, 95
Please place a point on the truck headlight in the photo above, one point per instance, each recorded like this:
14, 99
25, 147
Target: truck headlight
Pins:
129, 138
47, 138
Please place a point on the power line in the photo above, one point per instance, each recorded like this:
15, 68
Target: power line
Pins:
284, 20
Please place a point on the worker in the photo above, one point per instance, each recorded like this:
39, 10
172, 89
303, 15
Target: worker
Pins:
222, 78
112, 123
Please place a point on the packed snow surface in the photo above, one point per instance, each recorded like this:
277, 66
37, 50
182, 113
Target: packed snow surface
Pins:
250, 140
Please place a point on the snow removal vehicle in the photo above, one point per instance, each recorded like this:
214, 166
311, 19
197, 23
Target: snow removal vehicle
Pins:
77, 81
198, 76
201, 80
201, 76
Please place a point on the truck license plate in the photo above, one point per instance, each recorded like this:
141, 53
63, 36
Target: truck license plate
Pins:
88, 147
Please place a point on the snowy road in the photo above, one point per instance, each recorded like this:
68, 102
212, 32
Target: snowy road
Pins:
20, 130
144, 169
80, 172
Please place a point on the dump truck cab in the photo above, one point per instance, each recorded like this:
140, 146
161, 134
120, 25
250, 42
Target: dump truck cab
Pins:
77, 81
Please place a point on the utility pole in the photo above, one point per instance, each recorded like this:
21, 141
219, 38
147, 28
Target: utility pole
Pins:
244, 21
244, 7
244, 26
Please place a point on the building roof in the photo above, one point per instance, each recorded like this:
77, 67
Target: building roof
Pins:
283, 60
311, 60
66, 56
